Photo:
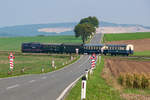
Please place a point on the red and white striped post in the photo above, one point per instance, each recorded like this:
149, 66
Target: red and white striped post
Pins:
83, 88
11, 60
93, 60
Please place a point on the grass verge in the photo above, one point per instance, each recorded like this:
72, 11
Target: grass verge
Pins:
33, 64
97, 88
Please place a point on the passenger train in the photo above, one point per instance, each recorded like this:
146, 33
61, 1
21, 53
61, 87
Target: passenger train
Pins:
106, 49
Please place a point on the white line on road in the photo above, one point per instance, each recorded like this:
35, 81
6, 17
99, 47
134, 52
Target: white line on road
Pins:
72, 84
13, 86
44, 77
31, 81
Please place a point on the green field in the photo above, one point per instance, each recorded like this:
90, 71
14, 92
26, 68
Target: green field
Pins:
32, 64
97, 89
126, 36
14, 44
144, 53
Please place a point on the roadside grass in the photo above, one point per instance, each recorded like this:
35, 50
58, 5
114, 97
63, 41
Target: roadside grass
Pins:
14, 43
33, 64
136, 91
97, 88
126, 36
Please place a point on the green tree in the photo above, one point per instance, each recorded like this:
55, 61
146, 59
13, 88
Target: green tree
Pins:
92, 20
84, 30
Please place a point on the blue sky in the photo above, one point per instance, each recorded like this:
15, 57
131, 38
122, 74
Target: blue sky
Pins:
20, 12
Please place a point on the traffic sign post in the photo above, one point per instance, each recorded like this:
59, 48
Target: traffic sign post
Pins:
83, 88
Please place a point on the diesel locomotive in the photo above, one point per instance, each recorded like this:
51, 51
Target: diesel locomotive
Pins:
68, 48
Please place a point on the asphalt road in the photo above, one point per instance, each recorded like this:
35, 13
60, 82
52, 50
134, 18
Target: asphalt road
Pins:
44, 86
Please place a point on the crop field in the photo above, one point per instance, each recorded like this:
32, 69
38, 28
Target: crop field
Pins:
118, 66
14, 43
32, 64
136, 73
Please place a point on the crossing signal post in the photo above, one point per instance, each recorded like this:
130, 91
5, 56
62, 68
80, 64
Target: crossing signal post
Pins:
11, 60
93, 60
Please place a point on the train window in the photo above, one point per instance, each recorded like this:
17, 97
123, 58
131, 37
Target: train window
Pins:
96, 48
90, 47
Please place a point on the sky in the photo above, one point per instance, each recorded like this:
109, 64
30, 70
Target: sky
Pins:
22, 12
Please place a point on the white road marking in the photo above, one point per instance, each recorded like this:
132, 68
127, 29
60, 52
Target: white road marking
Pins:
44, 77
13, 86
31, 81
72, 84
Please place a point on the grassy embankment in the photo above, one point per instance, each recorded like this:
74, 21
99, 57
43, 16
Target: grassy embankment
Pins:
97, 88
129, 36
32, 64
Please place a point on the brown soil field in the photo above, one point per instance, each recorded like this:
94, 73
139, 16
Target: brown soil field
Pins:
114, 66
139, 45
117, 66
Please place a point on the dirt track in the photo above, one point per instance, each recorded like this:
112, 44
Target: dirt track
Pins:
116, 66
139, 45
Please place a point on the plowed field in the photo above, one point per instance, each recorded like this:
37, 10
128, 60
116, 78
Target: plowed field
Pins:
139, 45
117, 66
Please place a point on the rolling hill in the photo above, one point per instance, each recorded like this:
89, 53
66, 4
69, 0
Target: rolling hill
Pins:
60, 29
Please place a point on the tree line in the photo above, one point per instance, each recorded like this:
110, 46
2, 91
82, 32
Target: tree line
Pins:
86, 28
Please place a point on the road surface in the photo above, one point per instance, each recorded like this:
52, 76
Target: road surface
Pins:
44, 86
